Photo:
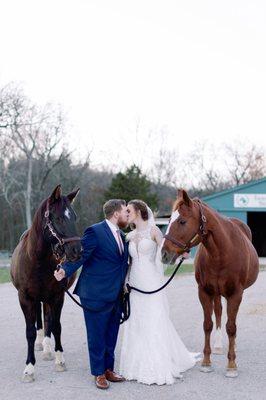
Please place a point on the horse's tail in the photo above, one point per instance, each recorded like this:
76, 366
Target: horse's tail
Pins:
218, 339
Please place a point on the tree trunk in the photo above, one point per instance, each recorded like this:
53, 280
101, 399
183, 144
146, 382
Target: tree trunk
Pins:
28, 194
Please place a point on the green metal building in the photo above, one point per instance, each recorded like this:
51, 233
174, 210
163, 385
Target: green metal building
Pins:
248, 203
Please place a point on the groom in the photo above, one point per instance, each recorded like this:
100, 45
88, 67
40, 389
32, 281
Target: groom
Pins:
105, 262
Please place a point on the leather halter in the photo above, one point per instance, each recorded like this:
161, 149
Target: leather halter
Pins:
198, 235
49, 225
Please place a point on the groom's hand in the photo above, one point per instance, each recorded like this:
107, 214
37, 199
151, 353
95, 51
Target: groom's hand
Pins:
59, 275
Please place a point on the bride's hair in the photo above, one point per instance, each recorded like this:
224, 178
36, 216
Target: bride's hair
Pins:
140, 205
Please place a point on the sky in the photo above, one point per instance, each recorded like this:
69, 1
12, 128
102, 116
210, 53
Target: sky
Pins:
124, 69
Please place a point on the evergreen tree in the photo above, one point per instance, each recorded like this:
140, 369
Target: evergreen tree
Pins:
132, 185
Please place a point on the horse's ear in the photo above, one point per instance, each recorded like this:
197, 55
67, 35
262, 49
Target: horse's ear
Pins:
183, 198
71, 196
57, 193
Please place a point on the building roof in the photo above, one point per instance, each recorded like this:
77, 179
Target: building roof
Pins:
234, 189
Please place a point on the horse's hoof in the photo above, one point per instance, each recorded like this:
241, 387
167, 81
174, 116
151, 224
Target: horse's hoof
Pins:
60, 367
28, 378
38, 347
206, 368
218, 350
47, 356
231, 373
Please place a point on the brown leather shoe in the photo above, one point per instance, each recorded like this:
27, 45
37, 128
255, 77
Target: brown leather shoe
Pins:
101, 382
113, 377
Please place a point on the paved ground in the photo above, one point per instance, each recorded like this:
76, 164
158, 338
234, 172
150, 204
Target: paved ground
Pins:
186, 311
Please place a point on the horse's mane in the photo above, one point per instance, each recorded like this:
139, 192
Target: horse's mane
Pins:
178, 201
33, 238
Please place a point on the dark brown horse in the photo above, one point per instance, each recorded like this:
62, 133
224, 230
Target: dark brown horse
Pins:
226, 264
51, 237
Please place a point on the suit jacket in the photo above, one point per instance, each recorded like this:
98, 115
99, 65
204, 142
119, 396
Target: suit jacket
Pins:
104, 269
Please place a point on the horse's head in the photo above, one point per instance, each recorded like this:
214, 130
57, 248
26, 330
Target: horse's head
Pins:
186, 228
60, 225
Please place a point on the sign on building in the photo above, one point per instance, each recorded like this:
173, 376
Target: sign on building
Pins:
242, 200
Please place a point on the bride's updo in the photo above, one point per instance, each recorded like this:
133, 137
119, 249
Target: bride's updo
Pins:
141, 206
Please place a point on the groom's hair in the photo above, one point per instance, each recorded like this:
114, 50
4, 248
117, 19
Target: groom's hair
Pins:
111, 206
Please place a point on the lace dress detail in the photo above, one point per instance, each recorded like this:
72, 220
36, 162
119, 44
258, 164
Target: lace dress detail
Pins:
151, 350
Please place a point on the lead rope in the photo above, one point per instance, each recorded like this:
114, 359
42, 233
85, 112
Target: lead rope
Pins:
125, 312
64, 284
126, 297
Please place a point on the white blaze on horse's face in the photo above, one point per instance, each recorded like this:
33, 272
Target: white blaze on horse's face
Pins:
174, 216
67, 213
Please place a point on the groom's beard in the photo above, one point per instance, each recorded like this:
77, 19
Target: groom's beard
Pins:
122, 224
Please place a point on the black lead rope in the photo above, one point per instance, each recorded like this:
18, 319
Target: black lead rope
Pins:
125, 312
126, 296
64, 284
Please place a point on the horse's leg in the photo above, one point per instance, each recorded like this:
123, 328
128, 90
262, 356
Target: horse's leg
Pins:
28, 307
207, 305
218, 339
56, 309
47, 348
39, 339
233, 303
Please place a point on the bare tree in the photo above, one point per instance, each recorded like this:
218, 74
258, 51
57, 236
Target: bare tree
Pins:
33, 132
244, 162
203, 169
166, 163
213, 168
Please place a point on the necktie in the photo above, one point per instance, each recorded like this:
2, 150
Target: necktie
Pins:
120, 243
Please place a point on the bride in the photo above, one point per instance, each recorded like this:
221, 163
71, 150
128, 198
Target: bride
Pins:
151, 350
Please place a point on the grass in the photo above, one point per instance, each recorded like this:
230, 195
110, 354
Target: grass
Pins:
189, 268
4, 275
184, 269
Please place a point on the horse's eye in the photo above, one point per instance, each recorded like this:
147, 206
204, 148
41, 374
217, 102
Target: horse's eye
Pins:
182, 222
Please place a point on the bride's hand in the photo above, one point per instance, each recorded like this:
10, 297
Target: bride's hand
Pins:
186, 255
125, 289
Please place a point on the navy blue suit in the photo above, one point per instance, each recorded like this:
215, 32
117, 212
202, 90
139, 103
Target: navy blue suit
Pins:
99, 287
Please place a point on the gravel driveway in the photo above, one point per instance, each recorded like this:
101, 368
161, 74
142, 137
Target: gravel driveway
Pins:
77, 384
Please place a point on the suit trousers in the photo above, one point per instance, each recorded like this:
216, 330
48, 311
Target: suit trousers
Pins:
102, 328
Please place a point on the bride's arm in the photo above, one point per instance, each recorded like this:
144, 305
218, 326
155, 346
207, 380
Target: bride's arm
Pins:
128, 237
156, 235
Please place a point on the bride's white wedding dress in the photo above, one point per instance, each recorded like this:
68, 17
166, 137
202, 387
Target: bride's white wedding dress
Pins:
151, 350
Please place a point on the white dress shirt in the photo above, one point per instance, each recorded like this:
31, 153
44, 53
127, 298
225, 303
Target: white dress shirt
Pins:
114, 229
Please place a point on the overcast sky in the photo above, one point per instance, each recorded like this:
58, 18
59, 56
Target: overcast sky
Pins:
194, 68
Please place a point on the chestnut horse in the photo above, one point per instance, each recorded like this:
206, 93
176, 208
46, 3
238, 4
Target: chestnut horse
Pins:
226, 264
51, 237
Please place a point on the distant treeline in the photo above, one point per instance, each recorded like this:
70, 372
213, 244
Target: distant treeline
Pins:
88, 204
35, 157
